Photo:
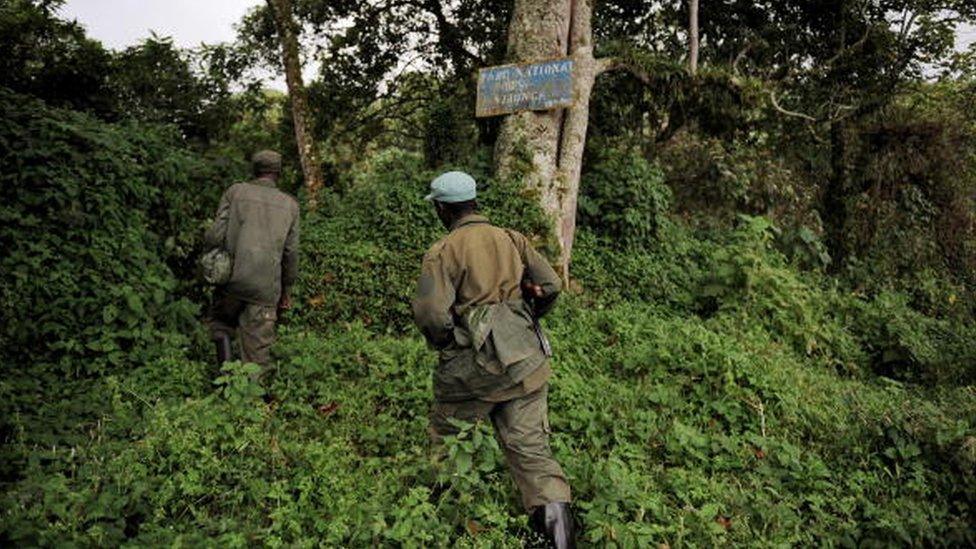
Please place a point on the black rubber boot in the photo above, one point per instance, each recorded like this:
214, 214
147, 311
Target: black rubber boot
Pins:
222, 342
554, 523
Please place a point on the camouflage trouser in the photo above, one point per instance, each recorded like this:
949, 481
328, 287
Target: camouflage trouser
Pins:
253, 324
522, 430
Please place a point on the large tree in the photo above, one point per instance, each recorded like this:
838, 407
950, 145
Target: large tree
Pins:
553, 141
821, 63
818, 64
301, 118
370, 52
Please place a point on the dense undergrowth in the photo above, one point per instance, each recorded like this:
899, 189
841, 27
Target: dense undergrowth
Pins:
708, 390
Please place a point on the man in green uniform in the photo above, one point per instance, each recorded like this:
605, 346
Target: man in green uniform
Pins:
258, 225
481, 290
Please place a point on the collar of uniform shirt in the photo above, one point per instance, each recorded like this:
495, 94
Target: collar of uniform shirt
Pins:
264, 182
469, 220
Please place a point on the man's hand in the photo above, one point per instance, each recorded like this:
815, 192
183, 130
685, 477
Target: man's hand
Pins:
284, 302
531, 290
538, 300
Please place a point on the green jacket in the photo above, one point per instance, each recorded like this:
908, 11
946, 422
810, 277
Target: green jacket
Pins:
469, 306
258, 225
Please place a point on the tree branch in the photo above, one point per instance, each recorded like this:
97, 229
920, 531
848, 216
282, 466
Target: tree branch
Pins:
776, 105
740, 56
605, 64
447, 31
856, 45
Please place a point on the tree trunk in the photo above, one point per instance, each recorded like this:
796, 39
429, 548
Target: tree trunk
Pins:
833, 210
573, 135
693, 37
528, 142
549, 145
307, 153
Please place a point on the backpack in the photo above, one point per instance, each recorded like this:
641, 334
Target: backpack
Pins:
217, 266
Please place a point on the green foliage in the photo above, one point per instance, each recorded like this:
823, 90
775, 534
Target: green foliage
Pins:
673, 430
909, 211
664, 98
391, 72
668, 273
95, 219
362, 254
47, 57
906, 344
623, 199
44, 56
713, 386
187, 89
339, 458
449, 135
749, 276
99, 225
713, 180
699, 418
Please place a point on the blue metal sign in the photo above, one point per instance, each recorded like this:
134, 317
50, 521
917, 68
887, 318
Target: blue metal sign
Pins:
526, 87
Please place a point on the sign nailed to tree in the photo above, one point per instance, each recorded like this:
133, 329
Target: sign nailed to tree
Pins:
525, 87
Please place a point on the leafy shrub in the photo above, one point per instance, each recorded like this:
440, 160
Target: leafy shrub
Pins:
906, 344
672, 429
623, 199
627, 246
339, 458
690, 405
450, 136
803, 247
713, 180
669, 272
909, 184
748, 276
50, 58
694, 425
362, 253
94, 220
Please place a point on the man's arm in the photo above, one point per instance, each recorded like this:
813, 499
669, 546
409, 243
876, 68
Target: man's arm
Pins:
289, 261
432, 305
545, 283
216, 235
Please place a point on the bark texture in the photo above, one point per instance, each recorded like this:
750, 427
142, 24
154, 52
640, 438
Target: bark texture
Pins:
693, 37
538, 31
573, 134
307, 153
552, 142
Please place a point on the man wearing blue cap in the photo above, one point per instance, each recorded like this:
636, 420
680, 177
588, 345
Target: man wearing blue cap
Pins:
481, 290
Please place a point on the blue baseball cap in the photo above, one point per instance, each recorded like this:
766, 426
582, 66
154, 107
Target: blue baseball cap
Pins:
453, 187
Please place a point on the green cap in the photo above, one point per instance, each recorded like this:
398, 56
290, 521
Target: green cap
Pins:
266, 162
453, 187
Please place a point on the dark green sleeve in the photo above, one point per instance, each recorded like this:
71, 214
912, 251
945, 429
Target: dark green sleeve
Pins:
216, 235
433, 302
289, 262
540, 272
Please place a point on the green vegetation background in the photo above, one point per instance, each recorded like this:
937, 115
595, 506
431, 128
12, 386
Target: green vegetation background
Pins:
706, 391
719, 378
